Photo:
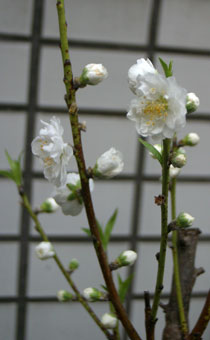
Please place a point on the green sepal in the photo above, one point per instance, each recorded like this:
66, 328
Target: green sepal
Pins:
123, 286
72, 197
153, 150
167, 68
71, 187
87, 231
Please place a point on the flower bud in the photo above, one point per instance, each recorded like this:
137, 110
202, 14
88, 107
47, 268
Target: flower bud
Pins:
92, 294
44, 250
109, 320
158, 147
93, 74
49, 206
64, 296
127, 258
184, 220
109, 164
173, 172
191, 139
74, 264
179, 160
192, 102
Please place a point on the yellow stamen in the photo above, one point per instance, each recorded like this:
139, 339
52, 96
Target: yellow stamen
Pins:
48, 161
156, 109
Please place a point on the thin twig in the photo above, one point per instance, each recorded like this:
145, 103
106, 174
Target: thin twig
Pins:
40, 230
147, 310
202, 322
183, 322
164, 231
72, 107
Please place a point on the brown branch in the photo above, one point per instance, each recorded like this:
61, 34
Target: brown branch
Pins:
202, 322
187, 243
78, 152
149, 330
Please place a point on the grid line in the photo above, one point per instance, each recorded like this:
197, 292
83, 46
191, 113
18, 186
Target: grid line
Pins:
137, 206
28, 164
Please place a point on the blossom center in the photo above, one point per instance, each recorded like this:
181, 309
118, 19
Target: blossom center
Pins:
48, 161
155, 110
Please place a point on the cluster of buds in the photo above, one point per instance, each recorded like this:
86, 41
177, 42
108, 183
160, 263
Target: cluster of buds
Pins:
109, 164
109, 321
93, 74
64, 296
192, 102
93, 294
179, 158
184, 220
45, 250
49, 206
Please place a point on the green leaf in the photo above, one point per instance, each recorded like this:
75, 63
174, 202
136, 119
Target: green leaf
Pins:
109, 227
101, 233
152, 149
123, 286
87, 231
167, 69
16, 173
8, 174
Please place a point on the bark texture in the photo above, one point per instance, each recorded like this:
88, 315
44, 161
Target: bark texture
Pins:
187, 244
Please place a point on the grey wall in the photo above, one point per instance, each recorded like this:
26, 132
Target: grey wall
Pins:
184, 28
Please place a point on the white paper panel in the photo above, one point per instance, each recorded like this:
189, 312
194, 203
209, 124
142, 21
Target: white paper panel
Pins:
192, 74
15, 16
146, 270
112, 93
185, 23
107, 196
7, 321
9, 208
118, 21
46, 279
197, 162
12, 133
193, 199
14, 72
63, 321
8, 268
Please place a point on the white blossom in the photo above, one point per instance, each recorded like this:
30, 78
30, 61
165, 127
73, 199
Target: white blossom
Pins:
53, 152
109, 321
93, 74
173, 172
71, 201
159, 107
127, 258
137, 72
109, 164
44, 250
192, 102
